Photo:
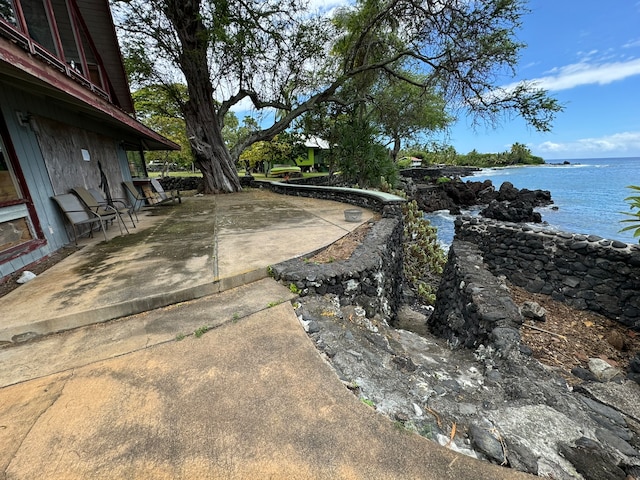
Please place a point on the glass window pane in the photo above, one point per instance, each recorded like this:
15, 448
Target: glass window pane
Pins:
8, 189
38, 23
136, 163
66, 32
14, 233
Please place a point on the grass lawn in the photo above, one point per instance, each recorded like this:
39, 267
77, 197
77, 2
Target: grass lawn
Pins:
176, 174
257, 176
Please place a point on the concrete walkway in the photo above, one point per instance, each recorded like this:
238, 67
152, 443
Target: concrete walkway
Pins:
178, 252
224, 386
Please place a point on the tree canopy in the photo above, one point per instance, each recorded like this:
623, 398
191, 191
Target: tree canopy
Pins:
273, 54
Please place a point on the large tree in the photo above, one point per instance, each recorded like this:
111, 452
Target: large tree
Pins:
158, 111
278, 56
403, 111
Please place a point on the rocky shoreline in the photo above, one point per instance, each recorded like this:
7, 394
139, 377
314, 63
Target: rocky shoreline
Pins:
507, 203
503, 407
511, 411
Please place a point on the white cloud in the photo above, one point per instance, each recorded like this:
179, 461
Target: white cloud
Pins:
632, 44
618, 144
327, 6
585, 73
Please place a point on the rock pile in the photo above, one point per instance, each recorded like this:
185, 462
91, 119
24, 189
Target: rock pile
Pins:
507, 203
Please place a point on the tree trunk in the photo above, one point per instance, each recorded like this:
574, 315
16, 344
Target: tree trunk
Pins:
397, 144
211, 156
203, 126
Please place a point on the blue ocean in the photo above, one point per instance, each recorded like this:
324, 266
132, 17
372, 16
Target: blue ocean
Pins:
588, 194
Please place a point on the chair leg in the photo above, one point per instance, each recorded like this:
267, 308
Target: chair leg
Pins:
123, 224
104, 231
119, 221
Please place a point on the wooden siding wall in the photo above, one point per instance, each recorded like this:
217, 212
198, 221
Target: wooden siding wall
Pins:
36, 177
38, 174
62, 147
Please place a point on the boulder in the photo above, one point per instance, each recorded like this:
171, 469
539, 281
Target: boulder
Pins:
511, 211
534, 311
456, 194
603, 370
591, 461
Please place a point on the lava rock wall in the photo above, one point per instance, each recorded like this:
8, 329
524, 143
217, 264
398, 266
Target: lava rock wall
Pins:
586, 272
473, 308
371, 278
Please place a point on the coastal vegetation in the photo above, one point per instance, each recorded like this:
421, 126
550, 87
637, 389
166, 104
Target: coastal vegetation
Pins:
634, 220
518, 154
281, 61
424, 259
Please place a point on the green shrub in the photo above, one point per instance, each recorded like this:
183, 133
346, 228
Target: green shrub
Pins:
634, 203
404, 162
424, 259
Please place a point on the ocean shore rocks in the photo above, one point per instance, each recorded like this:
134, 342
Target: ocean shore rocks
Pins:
507, 203
491, 400
499, 406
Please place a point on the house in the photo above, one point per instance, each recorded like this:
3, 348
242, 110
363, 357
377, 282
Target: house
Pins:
413, 162
317, 150
66, 119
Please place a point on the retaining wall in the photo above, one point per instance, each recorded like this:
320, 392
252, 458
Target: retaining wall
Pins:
181, 183
473, 307
370, 278
386, 204
586, 272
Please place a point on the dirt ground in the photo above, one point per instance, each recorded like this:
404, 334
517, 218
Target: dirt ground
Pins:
569, 337
343, 248
9, 283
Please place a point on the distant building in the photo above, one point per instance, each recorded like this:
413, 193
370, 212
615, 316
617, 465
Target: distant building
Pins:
66, 119
414, 161
317, 151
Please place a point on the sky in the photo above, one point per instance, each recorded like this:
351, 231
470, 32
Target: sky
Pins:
586, 53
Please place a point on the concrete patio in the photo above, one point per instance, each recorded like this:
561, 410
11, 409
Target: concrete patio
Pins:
223, 386
177, 253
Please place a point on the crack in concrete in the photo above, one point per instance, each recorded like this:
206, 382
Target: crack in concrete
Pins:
26, 435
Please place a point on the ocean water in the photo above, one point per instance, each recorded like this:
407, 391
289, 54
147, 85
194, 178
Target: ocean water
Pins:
588, 193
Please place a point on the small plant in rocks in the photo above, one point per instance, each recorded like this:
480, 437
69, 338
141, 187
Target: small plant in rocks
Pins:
424, 259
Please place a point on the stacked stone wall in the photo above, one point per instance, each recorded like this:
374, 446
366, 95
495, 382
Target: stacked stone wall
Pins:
371, 278
586, 272
473, 308
181, 183
387, 205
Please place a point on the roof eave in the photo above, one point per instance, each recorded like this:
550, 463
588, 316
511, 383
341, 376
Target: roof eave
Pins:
19, 65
